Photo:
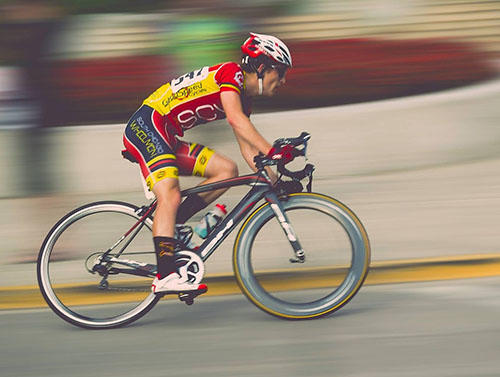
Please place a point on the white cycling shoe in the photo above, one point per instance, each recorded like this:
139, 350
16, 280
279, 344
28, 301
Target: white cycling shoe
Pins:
174, 283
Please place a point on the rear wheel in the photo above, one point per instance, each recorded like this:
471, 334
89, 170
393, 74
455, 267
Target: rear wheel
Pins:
85, 290
337, 258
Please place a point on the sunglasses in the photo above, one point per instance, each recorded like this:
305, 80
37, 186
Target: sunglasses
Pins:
281, 69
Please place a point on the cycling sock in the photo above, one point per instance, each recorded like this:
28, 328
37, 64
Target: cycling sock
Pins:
191, 205
165, 255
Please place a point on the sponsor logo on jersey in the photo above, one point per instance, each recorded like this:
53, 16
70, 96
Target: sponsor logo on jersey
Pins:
190, 91
238, 77
202, 114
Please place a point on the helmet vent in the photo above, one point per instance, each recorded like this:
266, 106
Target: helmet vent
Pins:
283, 50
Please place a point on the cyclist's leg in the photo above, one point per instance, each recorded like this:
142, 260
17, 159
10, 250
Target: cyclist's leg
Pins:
169, 280
168, 199
153, 150
152, 146
219, 167
196, 159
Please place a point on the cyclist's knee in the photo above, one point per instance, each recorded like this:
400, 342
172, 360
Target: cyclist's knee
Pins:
231, 170
227, 169
220, 167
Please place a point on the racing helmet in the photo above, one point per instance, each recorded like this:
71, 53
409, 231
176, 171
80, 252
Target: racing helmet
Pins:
265, 49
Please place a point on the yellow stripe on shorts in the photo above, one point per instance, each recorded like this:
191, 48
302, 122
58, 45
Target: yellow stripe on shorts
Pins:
161, 157
158, 175
191, 147
202, 161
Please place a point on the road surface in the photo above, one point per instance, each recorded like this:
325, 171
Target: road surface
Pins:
441, 329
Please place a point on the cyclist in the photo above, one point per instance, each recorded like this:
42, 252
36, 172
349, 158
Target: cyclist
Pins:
152, 139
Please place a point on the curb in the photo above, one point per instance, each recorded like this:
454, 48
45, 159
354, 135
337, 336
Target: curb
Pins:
387, 272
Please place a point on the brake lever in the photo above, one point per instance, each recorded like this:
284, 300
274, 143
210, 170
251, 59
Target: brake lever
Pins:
279, 143
305, 136
305, 149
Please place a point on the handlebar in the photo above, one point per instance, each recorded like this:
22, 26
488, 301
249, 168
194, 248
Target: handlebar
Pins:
301, 141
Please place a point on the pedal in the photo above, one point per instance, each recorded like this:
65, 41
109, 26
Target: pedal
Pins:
188, 297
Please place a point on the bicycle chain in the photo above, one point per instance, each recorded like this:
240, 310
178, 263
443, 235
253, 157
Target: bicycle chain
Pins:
116, 289
127, 289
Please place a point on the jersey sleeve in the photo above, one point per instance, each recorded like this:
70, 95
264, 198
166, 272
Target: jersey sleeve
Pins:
229, 77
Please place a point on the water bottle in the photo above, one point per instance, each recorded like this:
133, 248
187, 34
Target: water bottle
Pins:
210, 220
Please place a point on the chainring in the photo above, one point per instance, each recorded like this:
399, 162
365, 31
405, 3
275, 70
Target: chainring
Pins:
190, 266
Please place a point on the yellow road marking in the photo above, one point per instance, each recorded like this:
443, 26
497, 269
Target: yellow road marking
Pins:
414, 270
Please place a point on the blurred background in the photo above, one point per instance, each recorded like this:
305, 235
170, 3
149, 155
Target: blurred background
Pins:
68, 67
73, 62
402, 99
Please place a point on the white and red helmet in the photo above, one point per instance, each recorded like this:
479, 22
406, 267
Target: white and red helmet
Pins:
260, 46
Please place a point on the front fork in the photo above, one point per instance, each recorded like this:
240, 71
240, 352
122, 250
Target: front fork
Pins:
279, 211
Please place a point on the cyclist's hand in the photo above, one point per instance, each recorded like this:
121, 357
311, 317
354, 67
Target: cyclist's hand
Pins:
286, 154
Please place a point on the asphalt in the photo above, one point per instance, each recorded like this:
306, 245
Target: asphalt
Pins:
437, 329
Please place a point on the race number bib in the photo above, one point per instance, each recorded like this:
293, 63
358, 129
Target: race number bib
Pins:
189, 79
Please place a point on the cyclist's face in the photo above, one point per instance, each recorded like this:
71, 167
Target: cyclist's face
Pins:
273, 79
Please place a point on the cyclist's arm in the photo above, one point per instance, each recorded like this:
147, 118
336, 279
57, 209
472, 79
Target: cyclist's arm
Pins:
251, 142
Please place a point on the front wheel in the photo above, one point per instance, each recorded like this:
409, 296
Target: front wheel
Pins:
336, 261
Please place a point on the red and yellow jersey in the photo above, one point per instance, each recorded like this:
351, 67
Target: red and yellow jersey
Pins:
194, 98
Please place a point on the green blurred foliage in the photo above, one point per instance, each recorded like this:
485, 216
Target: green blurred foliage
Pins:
197, 41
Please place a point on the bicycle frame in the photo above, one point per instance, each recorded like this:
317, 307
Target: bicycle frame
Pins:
261, 189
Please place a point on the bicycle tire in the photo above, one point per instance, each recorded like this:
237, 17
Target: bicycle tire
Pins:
356, 273
43, 275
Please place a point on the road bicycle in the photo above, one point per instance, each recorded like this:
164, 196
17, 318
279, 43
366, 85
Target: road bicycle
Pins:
298, 255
